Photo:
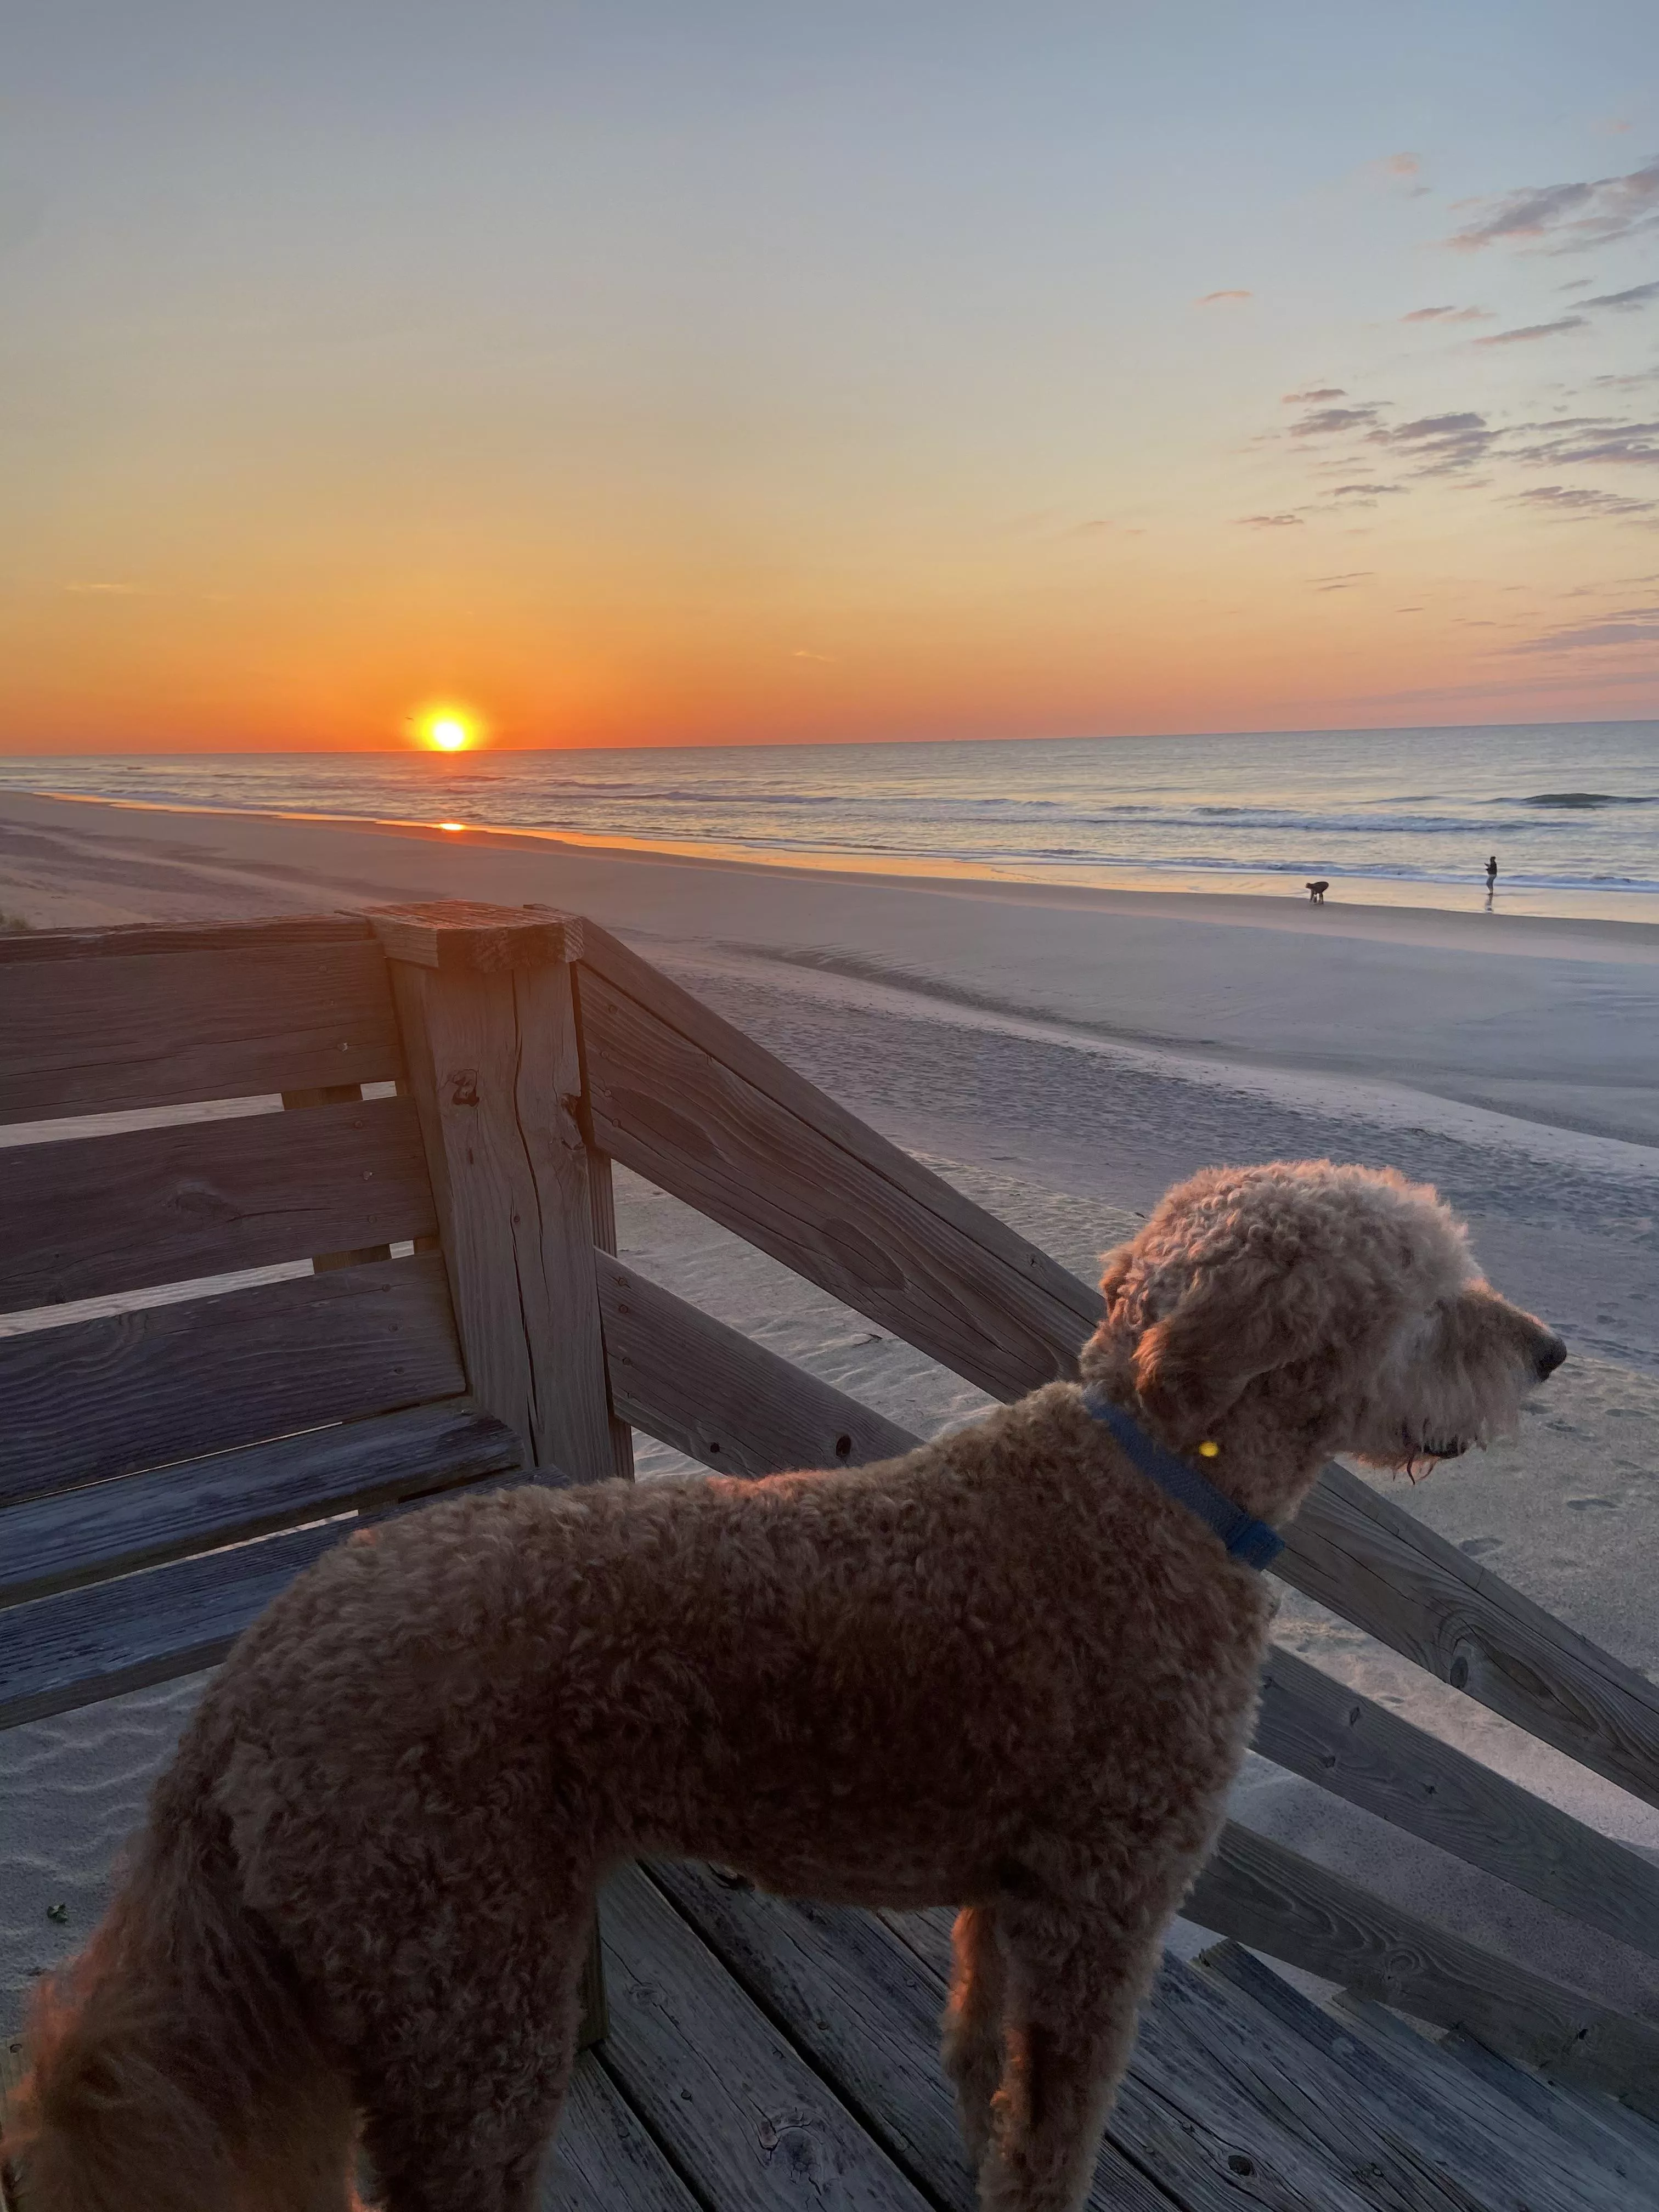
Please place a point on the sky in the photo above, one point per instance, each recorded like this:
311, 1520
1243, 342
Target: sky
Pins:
641, 374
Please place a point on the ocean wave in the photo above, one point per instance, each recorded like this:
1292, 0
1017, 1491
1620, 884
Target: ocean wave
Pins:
1587, 798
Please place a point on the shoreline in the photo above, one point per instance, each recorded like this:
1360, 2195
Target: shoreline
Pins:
1505, 930
1632, 916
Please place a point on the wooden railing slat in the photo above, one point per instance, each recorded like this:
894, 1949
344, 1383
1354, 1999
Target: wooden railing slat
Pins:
1363, 1557
662, 1103
607, 957
1271, 1899
100, 1398
136, 1520
160, 1029
85, 1219
1333, 1736
716, 1396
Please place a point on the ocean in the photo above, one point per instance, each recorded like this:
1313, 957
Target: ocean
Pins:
1392, 817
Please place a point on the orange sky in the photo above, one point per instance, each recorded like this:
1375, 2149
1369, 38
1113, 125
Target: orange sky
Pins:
649, 381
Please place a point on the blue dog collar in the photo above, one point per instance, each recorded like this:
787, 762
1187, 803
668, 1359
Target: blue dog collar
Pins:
1253, 1541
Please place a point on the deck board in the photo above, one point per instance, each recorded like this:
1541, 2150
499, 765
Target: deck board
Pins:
729, 2099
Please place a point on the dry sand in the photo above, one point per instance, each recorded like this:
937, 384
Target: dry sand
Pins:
1062, 1057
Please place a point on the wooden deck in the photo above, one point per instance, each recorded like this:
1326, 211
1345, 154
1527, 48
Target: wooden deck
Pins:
765, 2055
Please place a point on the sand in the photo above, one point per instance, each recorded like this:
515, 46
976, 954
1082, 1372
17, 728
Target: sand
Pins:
1061, 1057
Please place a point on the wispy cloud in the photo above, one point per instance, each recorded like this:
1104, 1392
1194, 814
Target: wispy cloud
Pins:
1328, 421
801, 653
1448, 315
1439, 443
102, 591
1579, 500
1638, 295
1269, 521
1531, 331
1631, 626
1344, 582
1319, 392
1367, 491
1587, 439
1568, 217
1214, 299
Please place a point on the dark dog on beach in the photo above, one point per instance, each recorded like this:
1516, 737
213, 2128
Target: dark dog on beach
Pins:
1008, 1672
1317, 889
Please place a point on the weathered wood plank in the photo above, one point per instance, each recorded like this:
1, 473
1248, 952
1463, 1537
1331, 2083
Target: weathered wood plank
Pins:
492, 1059
83, 1535
1499, 2157
99, 1398
734, 2106
1559, 2111
1357, 1749
461, 933
857, 2000
127, 938
56, 1653
82, 1220
1269, 1898
1368, 1559
602, 1198
160, 1028
1381, 2150
718, 1396
607, 957
664, 1104
1179, 2120
601, 2159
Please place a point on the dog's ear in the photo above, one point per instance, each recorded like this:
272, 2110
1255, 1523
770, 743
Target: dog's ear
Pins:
1231, 1325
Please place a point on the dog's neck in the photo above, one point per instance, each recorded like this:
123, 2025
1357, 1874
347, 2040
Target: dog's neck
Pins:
1270, 1443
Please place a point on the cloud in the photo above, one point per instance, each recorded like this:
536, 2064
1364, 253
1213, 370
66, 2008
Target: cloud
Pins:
801, 653
1269, 521
1345, 582
1329, 420
1634, 626
1211, 299
102, 591
1367, 490
1584, 439
1441, 442
1569, 216
1577, 499
1319, 392
1535, 330
1448, 315
1639, 295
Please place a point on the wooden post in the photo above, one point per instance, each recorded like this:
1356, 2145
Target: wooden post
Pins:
488, 1015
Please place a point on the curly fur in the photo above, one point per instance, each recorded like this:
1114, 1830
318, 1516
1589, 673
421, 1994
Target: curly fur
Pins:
1003, 1672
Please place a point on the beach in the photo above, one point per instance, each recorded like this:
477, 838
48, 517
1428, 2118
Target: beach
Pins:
1061, 1053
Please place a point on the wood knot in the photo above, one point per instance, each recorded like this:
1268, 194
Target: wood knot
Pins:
464, 1087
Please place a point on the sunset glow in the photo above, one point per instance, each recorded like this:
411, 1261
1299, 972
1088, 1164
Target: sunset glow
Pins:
1113, 378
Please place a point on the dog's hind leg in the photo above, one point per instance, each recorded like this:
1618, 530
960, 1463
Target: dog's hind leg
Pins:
461, 2094
1074, 1988
973, 2024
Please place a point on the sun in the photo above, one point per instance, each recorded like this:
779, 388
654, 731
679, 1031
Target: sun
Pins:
448, 729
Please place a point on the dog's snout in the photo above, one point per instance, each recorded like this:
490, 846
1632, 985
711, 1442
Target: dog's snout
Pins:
1548, 1357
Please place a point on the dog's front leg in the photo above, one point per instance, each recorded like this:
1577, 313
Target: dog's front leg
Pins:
1072, 1993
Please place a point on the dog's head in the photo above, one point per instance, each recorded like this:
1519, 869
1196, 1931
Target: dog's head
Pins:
1287, 1312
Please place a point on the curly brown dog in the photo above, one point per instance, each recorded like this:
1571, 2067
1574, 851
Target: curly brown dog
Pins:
1008, 1672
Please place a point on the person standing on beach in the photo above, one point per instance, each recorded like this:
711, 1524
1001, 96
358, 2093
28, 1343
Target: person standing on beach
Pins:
1492, 874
